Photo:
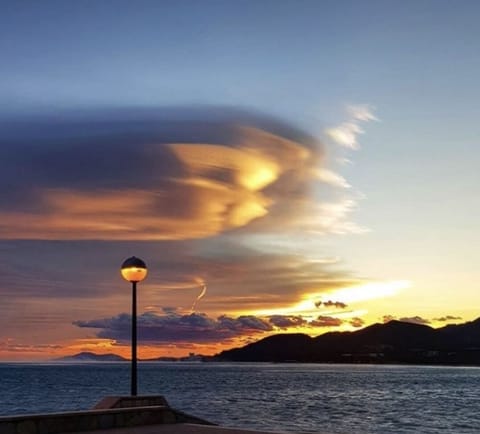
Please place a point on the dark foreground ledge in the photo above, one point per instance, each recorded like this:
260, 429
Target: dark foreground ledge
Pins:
111, 412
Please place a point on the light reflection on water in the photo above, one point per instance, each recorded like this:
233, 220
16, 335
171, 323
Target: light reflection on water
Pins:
287, 397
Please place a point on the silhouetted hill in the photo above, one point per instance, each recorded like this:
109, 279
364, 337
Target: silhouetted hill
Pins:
91, 357
462, 335
393, 342
282, 347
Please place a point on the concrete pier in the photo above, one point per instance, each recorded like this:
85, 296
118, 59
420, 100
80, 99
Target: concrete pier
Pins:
116, 415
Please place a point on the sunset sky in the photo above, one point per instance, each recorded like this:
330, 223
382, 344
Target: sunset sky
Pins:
281, 166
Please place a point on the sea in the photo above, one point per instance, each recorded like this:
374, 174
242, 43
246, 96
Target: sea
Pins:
297, 398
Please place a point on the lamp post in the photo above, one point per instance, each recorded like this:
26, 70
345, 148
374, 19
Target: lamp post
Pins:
134, 270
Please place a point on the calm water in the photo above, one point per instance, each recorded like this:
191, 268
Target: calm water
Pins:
289, 397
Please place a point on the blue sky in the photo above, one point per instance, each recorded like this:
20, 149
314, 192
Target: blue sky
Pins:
249, 53
414, 180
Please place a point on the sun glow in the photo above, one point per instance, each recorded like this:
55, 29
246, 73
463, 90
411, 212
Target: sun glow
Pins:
348, 295
369, 291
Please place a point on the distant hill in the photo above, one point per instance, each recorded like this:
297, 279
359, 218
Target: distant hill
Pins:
91, 357
393, 342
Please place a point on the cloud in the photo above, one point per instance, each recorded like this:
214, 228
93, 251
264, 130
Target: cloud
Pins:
411, 319
330, 303
200, 328
448, 318
415, 320
326, 321
361, 112
246, 279
244, 323
346, 134
158, 175
333, 218
12, 346
170, 174
169, 310
194, 327
357, 322
287, 321
332, 178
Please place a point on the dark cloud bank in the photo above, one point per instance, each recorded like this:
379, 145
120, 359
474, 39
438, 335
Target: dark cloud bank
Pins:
199, 327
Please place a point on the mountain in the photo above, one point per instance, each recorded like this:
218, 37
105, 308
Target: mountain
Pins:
91, 357
393, 342
281, 347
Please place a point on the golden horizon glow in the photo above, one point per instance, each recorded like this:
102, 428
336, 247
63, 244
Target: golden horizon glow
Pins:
370, 291
351, 294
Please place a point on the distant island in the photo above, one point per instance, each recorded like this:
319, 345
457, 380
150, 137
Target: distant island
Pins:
393, 342
91, 357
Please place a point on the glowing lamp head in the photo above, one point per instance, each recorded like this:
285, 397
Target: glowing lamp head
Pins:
134, 269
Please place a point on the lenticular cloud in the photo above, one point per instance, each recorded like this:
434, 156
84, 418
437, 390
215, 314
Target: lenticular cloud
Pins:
170, 174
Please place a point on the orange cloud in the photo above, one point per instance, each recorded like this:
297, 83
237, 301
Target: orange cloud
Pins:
214, 188
225, 174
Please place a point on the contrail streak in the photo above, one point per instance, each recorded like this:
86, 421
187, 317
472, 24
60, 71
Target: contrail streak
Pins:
202, 293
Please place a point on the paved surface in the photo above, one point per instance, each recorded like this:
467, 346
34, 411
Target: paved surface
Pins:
177, 428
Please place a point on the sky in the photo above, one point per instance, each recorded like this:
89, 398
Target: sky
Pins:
280, 166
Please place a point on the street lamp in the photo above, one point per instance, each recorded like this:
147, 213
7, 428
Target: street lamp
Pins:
134, 270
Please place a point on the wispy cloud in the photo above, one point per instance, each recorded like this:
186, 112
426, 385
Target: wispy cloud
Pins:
362, 112
332, 178
410, 319
447, 318
414, 319
11, 345
346, 134
337, 213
